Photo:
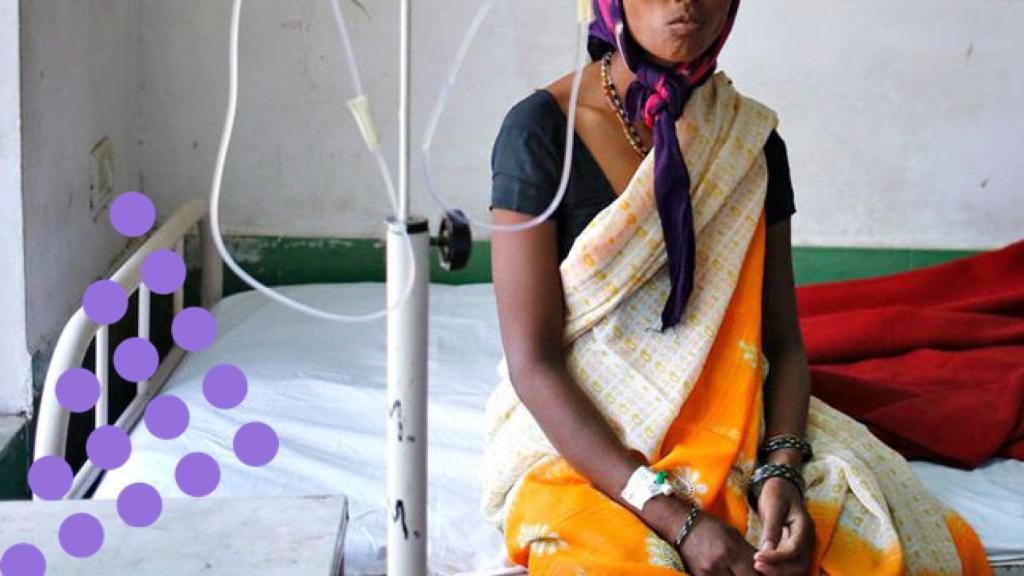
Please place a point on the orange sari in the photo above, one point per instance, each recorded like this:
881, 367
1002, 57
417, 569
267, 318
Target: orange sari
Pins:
559, 523
872, 516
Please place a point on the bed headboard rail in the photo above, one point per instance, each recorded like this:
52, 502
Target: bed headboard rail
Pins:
80, 331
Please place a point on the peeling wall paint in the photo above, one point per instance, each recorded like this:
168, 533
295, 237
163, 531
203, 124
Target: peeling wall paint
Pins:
79, 65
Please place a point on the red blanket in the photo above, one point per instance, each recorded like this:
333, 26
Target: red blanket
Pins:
931, 360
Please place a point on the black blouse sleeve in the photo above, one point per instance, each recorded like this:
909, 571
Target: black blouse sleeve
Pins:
525, 163
779, 203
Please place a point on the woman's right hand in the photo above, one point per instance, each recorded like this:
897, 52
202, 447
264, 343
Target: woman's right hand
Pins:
714, 548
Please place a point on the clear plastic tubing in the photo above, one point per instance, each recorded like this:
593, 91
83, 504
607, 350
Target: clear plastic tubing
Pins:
218, 172
360, 108
584, 15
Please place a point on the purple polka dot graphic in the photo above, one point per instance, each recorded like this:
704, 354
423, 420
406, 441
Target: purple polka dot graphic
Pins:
256, 444
108, 447
105, 302
194, 328
166, 417
80, 535
225, 386
50, 477
136, 359
23, 560
77, 390
132, 214
197, 474
139, 505
163, 271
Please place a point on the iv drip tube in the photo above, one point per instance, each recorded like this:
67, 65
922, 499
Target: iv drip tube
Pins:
360, 109
584, 15
366, 126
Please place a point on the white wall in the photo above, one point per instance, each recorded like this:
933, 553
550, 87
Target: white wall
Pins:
902, 118
295, 164
79, 84
16, 384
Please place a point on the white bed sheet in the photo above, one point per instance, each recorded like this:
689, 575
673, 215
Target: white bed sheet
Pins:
990, 498
321, 385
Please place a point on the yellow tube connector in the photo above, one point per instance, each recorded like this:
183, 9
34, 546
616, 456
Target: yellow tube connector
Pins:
584, 11
360, 107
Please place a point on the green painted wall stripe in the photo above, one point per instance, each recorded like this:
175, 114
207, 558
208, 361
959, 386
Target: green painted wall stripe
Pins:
819, 264
290, 260
281, 261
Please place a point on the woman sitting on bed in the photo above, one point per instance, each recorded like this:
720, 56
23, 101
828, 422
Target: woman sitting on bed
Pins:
642, 323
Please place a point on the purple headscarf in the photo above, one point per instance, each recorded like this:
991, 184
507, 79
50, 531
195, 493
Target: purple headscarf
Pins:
658, 95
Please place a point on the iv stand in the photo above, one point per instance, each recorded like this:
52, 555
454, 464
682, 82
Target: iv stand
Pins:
407, 358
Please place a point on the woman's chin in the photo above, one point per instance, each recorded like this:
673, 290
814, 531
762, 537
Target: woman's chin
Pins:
679, 50
677, 57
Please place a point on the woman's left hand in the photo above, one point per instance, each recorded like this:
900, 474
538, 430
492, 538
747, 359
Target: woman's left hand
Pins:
787, 545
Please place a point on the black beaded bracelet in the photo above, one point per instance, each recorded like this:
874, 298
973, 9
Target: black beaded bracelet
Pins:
784, 442
691, 518
767, 471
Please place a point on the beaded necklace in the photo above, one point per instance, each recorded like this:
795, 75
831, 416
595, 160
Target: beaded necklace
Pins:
616, 103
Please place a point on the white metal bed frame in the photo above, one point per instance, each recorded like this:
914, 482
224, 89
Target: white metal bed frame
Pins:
79, 332
406, 375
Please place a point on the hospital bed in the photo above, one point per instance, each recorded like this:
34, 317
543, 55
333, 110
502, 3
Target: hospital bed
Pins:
321, 386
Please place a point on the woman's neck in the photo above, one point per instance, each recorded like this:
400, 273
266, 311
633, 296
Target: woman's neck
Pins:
622, 76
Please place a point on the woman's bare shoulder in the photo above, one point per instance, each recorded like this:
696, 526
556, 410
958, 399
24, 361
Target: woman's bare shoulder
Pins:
561, 88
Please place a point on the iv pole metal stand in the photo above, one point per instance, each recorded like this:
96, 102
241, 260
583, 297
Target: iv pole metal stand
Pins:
407, 359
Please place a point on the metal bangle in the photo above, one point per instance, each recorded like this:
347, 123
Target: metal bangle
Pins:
767, 471
691, 518
786, 442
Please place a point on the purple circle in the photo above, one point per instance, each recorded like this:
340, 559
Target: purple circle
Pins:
80, 535
78, 390
194, 328
132, 214
225, 386
166, 417
139, 505
136, 359
23, 560
108, 447
197, 474
50, 477
105, 302
256, 444
163, 271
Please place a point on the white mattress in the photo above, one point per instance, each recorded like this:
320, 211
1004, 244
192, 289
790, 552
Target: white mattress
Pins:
321, 385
